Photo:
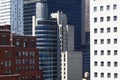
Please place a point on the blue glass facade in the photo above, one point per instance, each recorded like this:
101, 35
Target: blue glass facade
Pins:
46, 33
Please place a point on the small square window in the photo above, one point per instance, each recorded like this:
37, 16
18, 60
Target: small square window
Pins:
108, 41
95, 52
115, 18
108, 7
108, 30
115, 52
95, 41
115, 75
102, 41
101, 8
102, 30
95, 19
108, 18
115, 64
102, 63
115, 29
95, 9
115, 41
101, 19
114, 7
108, 52
95, 63
95, 30
102, 75
108, 64
108, 75
102, 52
95, 74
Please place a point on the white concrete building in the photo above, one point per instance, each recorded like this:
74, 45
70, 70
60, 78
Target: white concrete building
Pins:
105, 39
11, 13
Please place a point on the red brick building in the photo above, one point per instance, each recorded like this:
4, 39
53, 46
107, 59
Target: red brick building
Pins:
18, 56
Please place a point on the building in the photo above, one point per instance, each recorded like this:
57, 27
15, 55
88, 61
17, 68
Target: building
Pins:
104, 39
11, 13
73, 12
18, 56
71, 60
46, 34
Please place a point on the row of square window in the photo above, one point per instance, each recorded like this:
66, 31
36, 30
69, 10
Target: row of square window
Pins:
103, 64
25, 53
25, 61
102, 52
108, 30
108, 41
102, 75
108, 18
108, 7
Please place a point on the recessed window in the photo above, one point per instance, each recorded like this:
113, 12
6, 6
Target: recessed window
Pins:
115, 75
114, 7
95, 52
101, 19
95, 63
115, 29
95, 9
108, 41
101, 8
108, 64
95, 41
108, 75
115, 41
108, 30
102, 63
95, 30
115, 64
95, 74
102, 30
115, 18
102, 41
115, 52
95, 19
108, 7
108, 18
102, 52
108, 52
102, 75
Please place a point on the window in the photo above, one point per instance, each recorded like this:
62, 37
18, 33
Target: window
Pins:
101, 8
102, 41
102, 63
115, 29
95, 41
114, 7
108, 18
108, 30
95, 19
102, 30
95, 30
115, 52
95, 9
114, 18
24, 44
102, 75
95, 74
17, 44
108, 64
108, 41
102, 52
115, 64
95, 63
95, 52
4, 40
115, 41
101, 19
108, 52
115, 75
108, 7
108, 75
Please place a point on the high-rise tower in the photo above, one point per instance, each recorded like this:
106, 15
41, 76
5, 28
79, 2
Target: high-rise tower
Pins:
11, 13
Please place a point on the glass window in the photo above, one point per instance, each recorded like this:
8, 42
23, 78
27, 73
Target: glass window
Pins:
102, 52
95, 19
115, 41
108, 41
108, 75
108, 18
95, 63
108, 64
102, 75
115, 29
102, 30
108, 30
108, 7
95, 41
95, 74
102, 41
95, 9
101, 8
115, 75
115, 52
114, 18
108, 52
101, 19
102, 63
114, 6
115, 64
95, 30
95, 52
